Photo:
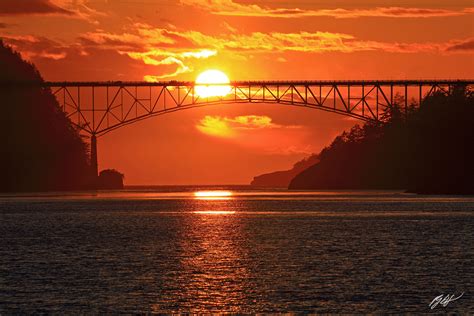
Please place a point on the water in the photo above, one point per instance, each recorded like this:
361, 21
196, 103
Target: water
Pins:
165, 250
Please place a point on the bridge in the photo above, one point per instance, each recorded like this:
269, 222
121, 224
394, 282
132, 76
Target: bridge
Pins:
98, 108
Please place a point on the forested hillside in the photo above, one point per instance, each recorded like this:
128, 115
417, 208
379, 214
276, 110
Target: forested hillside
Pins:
430, 151
41, 150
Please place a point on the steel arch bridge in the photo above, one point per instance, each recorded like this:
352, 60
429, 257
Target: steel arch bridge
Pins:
98, 108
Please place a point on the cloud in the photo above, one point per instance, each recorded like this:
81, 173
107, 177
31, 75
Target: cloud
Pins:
275, 41
181, 68
308, 42
231, 8
229, 127
228, 27
3, 25
80, 8
138, 37
164, 57
461, 46
39, 47
149, 43
27, 7
215, 126
183, 49
155, 56
254, 121
153, 46
257, 132
158, 46
124, 41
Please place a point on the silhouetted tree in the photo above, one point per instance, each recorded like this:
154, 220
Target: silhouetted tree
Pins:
41, 150
442, 139
393, 113
429, 150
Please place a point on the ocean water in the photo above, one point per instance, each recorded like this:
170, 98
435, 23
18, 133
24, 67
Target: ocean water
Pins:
169, 250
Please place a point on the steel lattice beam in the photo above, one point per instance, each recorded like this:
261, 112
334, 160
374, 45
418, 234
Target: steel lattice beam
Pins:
97, 108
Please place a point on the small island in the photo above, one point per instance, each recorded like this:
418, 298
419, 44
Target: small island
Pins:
110, 179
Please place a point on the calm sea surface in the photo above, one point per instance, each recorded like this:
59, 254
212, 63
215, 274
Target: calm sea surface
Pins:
167, 250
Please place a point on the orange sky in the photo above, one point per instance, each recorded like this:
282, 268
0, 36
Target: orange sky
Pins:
248, 40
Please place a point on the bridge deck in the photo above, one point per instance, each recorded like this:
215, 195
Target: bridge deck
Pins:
409, 82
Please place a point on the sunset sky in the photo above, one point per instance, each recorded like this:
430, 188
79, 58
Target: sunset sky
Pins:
154, 40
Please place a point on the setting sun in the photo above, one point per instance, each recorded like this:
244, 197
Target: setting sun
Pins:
212, 83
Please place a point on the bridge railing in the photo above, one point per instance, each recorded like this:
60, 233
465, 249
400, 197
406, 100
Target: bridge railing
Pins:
410, 82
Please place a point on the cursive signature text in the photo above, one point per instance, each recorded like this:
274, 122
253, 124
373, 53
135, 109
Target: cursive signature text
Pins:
444, 300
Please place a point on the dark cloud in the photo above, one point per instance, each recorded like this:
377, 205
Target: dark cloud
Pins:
89, 41
467, 45
32, 47
25, 7
3, 25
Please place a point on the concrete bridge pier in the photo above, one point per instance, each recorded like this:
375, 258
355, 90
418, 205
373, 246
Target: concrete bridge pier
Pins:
94, 164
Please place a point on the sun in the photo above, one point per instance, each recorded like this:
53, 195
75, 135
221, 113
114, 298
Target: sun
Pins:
205, 87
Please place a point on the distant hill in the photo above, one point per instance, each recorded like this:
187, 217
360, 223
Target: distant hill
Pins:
282, 179
40, 148
431, 152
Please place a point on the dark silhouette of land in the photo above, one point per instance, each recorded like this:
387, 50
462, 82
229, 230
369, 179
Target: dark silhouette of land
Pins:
41, 150
429, 151
110, 179
282, 179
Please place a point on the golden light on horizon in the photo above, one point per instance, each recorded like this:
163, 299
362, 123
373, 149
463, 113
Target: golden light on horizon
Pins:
213, 195
212, 83
214, 212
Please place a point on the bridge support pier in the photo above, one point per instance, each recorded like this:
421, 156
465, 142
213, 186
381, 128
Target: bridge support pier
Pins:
94, 164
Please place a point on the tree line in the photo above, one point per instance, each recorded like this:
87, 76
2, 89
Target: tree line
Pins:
427, 148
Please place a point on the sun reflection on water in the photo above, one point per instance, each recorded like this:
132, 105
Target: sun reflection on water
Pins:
211, 255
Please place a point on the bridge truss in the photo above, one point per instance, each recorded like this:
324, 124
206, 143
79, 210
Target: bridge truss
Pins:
97, 108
